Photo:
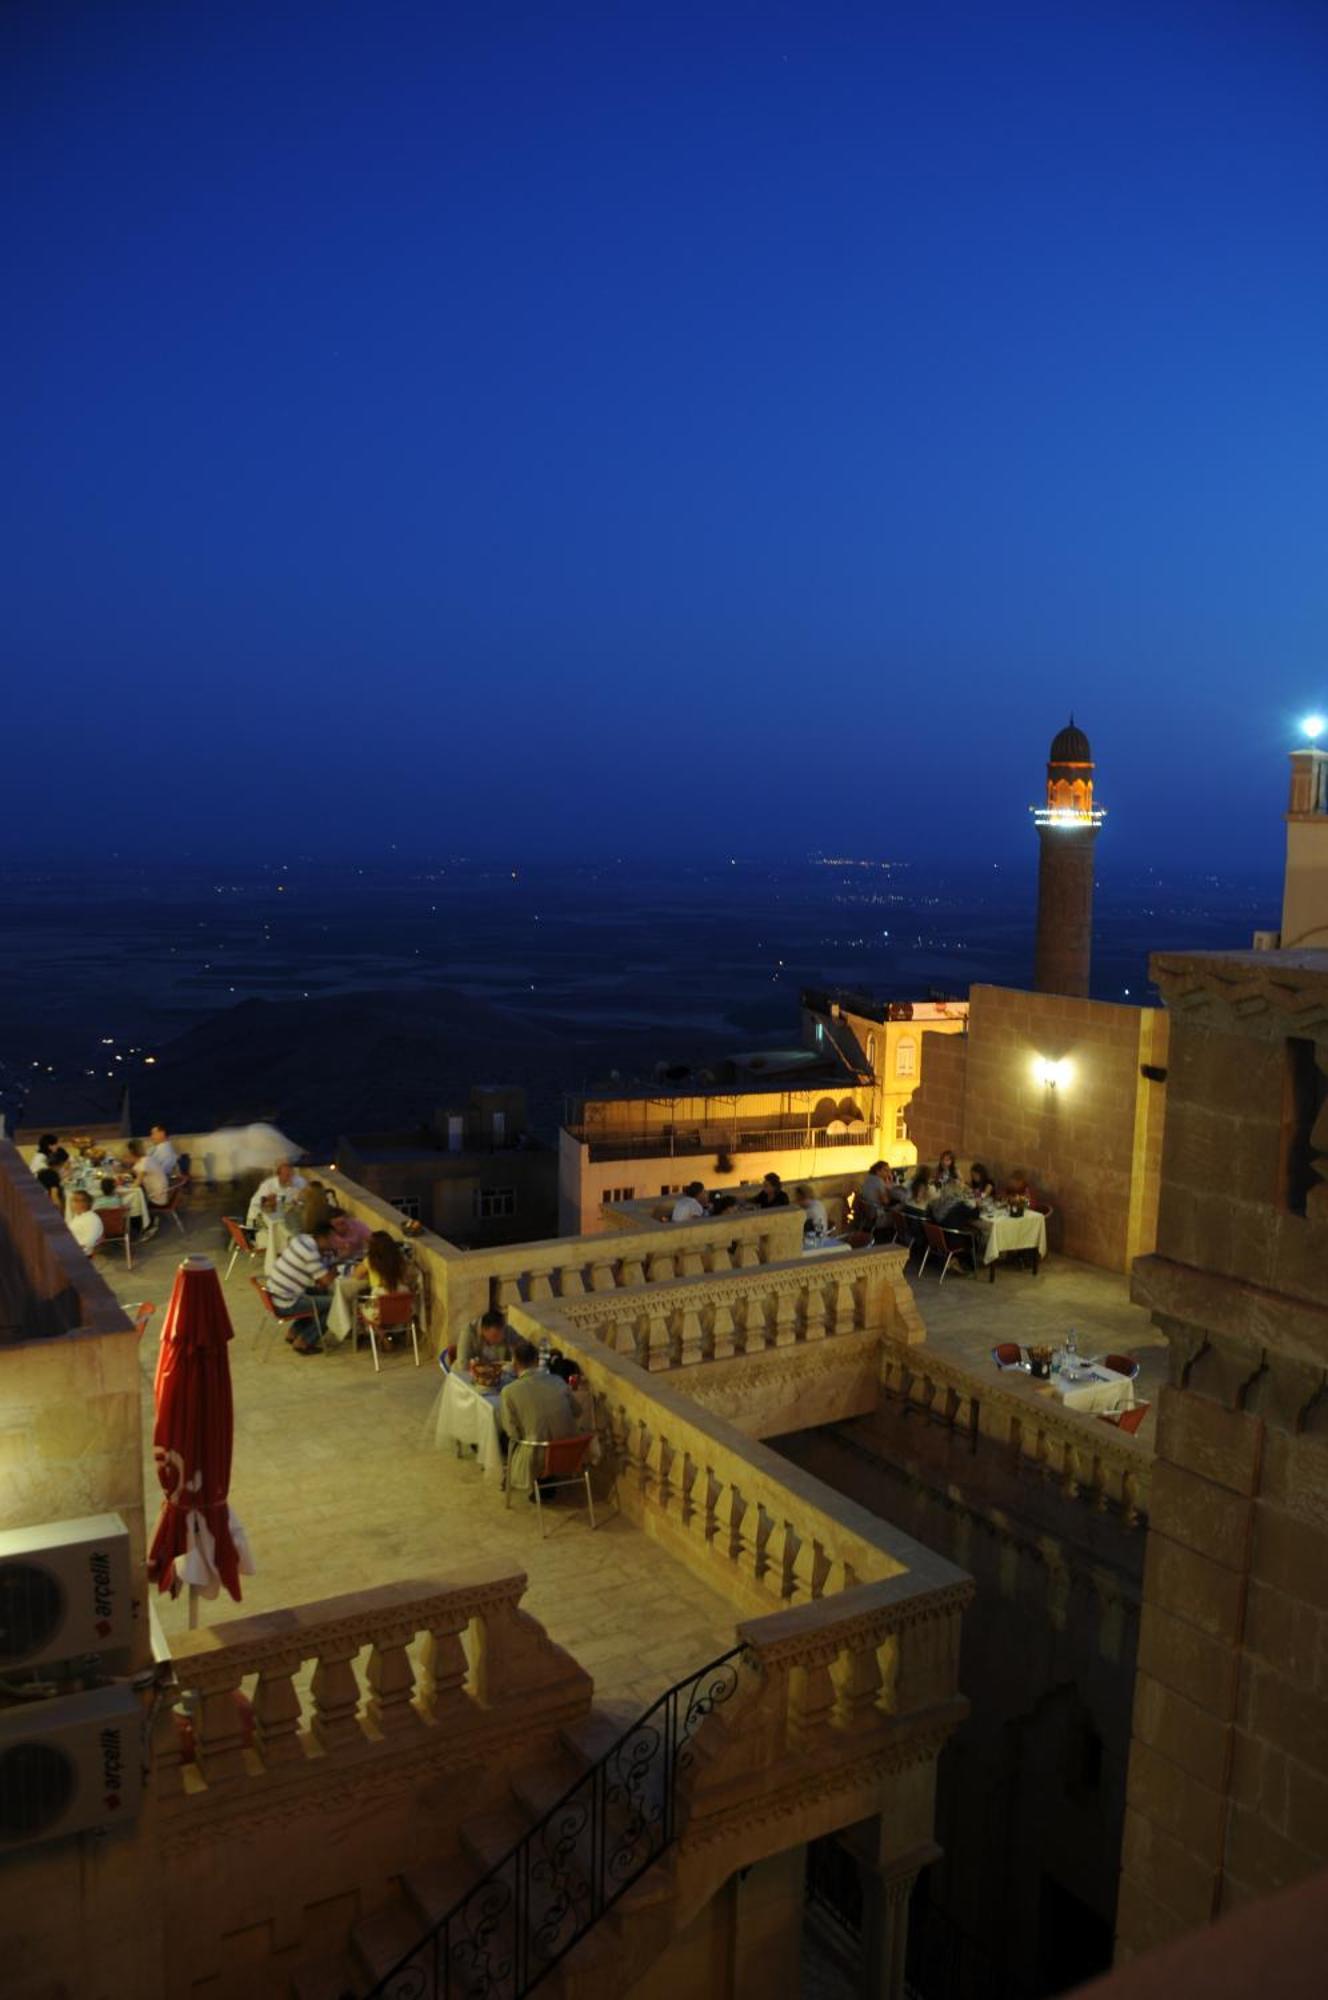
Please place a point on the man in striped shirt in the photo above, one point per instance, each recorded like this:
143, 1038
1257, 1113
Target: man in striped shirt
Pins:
301, 1280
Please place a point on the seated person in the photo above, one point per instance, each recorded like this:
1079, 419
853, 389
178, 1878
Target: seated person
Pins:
354, 1237
49, 1178
920, 1192
313, 1206
163, 1154
149, 1174
108, 1194
1020, 1188
876, 1193
85, 1226
815, 1221
533, 1408
282, 1187
980, 1184
301, 1280
690, 1205
954, 1207
568, 1372
771, 1193
43, 1160
488, 1338
946, 1170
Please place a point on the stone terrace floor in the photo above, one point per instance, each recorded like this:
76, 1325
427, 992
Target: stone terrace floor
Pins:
339, 1488
966, 1317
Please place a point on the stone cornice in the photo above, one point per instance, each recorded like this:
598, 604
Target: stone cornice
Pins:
1265, 993
1232, 1309
695, 1294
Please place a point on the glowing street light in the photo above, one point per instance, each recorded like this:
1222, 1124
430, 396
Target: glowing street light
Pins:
1313, 726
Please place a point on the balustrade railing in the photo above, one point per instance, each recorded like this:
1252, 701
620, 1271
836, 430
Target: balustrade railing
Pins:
481, 1657
1089, 1460
678, 1324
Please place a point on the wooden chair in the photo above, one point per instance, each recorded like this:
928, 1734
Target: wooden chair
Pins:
1008, 1354
115, 1229
242, 1243
951, 1244
566, 1463
292, 1322
385, 1312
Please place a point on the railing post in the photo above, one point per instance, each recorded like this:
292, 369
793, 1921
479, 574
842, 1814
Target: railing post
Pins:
443, 1659
277, 1712
336, 1695
391, 1678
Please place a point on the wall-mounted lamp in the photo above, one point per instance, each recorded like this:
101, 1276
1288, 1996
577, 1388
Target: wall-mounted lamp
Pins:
1053, 1073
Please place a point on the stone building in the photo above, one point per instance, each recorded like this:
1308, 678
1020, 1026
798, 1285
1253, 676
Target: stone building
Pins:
832, 1105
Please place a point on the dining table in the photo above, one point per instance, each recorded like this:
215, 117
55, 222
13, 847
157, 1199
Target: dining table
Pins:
465, 1415
1093, 1387
1003, 1232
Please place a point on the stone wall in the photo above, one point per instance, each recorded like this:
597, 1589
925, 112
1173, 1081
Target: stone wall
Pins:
1031, 1790
1091, 1144
1228, 1792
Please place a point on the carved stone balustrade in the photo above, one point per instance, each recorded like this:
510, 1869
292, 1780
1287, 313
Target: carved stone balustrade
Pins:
487, 1667
1090, 1461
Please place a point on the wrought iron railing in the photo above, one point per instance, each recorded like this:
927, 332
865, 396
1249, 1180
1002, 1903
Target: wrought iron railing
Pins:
614, 1823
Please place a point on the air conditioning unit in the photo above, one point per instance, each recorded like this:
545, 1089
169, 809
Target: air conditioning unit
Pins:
1267, 940
65, 1589
68, 1765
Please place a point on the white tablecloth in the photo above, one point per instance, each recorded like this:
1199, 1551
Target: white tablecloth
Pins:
1014, 1232
131, 1200
1094, 1388
825, 1246
465, 1415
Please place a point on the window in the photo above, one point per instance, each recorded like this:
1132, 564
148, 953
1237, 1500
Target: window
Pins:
901, 1121
820, 1033
491, 1203
906, 1056
611, 1195
871, 1052
1304, 1093
408, 1205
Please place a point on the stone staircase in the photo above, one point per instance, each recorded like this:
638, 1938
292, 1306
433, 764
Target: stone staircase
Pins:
599, 1821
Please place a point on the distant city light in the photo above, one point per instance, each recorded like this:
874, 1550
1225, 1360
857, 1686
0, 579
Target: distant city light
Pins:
1313, 726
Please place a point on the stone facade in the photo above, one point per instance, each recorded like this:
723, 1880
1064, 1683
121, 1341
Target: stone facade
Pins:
1092, 1143
1228, 1785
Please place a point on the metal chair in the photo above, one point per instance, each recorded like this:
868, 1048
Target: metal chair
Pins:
176, 1197
1008, 1354
115, 1229
242, 1242
291, 1321
1125, 1420
566, 1463
385, 1312
1121, 1364
951, 1244
144, 1313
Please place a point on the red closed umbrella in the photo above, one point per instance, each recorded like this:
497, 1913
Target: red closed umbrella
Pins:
198, 1540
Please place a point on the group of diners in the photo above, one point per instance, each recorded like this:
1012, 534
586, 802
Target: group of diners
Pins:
938, 1194
92, 1180
694, 1203
540, 1395
931, 1194
330, 1265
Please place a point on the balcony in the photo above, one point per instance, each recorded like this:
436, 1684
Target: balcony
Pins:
738, 1136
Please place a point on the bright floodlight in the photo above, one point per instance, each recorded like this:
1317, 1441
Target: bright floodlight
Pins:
1313, 726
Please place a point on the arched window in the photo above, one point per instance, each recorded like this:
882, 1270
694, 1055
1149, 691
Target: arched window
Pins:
906, 1056
871, 1052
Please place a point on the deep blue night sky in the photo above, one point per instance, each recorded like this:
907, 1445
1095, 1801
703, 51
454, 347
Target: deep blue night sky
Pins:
640, 430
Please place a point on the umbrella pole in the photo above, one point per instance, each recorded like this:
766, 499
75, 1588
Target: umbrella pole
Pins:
193, 1607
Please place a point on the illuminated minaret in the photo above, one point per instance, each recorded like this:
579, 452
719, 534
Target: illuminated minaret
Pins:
1067, 830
